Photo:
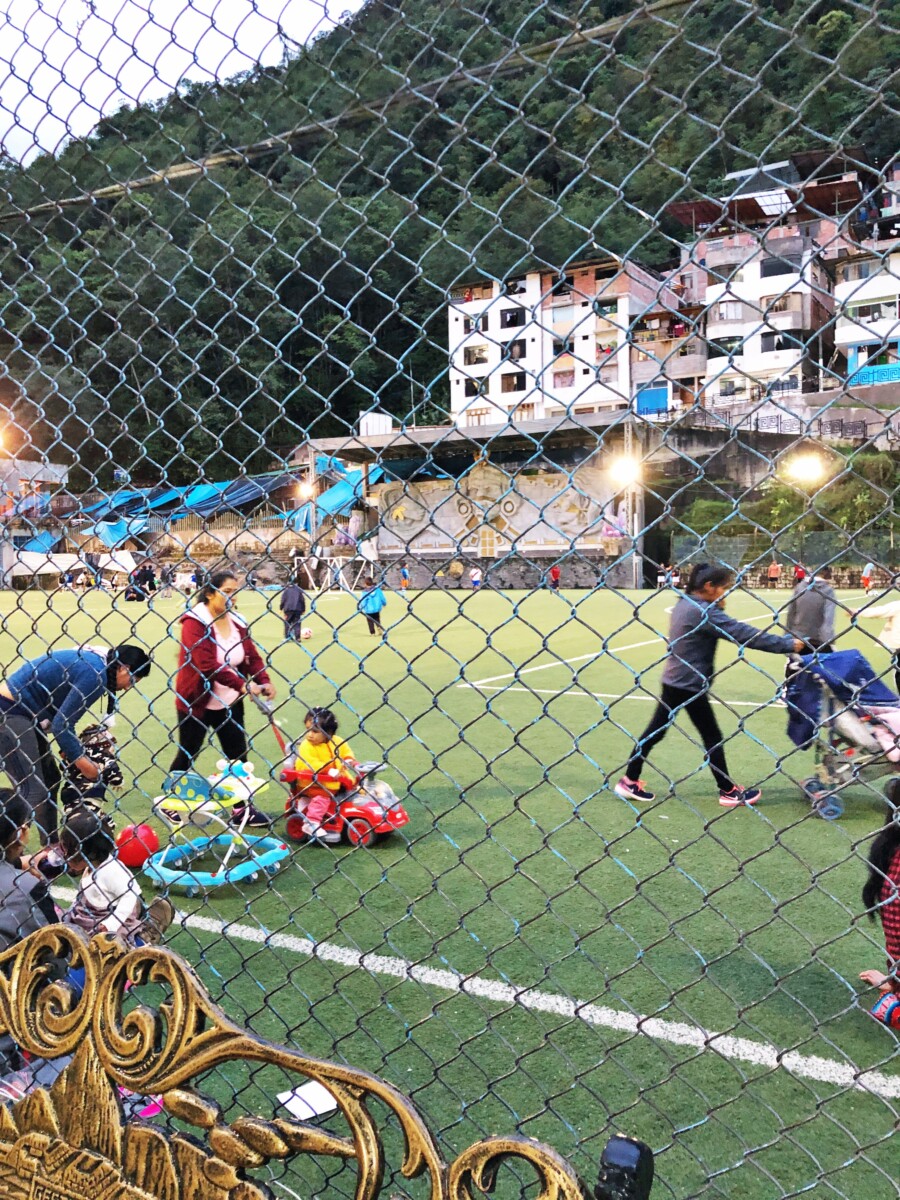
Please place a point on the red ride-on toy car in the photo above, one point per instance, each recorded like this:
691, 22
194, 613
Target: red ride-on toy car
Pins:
366, 811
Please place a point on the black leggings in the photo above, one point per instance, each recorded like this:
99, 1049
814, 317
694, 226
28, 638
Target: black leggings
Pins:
699, 709
226, 723
374, 620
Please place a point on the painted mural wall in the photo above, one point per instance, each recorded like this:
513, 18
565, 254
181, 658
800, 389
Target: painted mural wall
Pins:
488, 512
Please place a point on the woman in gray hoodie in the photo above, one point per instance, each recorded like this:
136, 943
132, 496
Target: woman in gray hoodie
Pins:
698, 624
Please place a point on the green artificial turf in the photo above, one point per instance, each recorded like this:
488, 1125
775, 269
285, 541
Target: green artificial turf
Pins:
521, 866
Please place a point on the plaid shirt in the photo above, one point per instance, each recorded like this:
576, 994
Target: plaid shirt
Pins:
890, 917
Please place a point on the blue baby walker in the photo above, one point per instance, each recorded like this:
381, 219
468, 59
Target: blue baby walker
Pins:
191, 803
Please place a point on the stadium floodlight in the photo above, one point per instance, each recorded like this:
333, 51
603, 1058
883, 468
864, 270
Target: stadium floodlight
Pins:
624, 471
807, 469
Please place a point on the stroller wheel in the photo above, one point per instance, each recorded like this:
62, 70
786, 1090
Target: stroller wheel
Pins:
829, 807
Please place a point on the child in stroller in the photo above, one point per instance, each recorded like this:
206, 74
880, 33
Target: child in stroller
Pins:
333, 795
837, 703
99, 746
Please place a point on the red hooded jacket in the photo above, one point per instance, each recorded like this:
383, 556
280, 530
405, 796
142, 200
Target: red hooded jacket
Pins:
200, 664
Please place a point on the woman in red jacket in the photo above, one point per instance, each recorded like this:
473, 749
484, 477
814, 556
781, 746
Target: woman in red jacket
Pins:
218, 664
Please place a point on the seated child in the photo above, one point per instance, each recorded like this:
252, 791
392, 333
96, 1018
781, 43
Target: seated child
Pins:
109, 899
326, 765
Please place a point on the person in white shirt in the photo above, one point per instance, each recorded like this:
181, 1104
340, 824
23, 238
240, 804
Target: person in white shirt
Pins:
109, 898
890, 634
475, 578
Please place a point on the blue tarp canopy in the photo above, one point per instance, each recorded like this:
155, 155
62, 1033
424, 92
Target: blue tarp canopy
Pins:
42, 543
325, 464
335, 501
113, 533
199, 499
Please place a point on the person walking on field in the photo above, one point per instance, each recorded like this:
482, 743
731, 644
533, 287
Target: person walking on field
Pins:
371, 602
554, 576
404, 577
773, 575
293, 606
868, 576
699, 623
811, 612
890, 634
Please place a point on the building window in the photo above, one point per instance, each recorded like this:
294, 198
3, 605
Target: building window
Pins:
474, 291
726, 273
515, 287
777, 340
606, 309
513, 381
476, 324
865, 269
563, 314
779, 266
562, 346
516, 349
475, 356
608, 272
726, 347
477, 416
512, 318
605, 350
778, 304
522, 412
563, 379
687, 348
874, 310
473, 387
729, 310
732, 387
878, 356
790, 383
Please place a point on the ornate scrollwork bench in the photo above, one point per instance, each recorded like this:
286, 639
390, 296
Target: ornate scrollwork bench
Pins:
72, 1140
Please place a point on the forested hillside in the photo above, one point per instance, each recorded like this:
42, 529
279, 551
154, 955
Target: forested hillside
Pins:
280, 295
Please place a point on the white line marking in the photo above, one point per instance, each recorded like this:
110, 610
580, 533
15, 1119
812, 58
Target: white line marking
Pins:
763, 1054
562, 662
578, 692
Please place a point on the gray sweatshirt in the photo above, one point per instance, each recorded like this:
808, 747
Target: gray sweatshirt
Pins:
696, 627
810, 614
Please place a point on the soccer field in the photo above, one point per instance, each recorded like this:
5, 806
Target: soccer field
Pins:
497, 962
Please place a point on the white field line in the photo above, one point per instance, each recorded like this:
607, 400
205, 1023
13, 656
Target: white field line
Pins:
761, 1054
676, 1033
562, 662
579, 693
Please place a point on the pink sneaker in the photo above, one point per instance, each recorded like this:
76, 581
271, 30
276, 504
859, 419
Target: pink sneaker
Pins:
633, 789
738, 796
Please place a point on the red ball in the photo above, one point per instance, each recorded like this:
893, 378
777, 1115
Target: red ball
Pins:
135, 844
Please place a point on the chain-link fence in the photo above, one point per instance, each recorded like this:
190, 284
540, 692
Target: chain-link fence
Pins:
450, 340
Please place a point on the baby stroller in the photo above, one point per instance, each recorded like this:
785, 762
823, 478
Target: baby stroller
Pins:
837, 704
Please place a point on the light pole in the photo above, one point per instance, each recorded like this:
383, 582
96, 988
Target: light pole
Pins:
625, 472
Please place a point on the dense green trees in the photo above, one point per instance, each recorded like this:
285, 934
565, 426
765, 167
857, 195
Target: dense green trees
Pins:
210, 320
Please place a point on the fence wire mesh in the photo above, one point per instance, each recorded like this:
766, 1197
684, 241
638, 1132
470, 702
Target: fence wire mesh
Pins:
482, 325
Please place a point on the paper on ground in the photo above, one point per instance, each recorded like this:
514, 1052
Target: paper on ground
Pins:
309, 1100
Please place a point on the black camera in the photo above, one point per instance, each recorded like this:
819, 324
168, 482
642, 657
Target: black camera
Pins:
626, 1170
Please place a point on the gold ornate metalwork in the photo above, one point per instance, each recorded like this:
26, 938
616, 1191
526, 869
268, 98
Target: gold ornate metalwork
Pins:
72, 1141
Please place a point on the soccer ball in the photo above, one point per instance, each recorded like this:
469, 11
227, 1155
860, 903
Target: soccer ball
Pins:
305, 634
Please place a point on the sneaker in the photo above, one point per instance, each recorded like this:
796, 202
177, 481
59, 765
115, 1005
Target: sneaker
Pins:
631, 789
172, 816
738, 796
256, 819
160, 915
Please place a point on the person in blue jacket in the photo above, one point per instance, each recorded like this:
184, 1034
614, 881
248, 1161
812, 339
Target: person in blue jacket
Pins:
371, 602
699, 623
51, 694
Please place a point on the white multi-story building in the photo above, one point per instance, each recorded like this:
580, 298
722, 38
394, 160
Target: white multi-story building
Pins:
867, 295
769, 317
544, 346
